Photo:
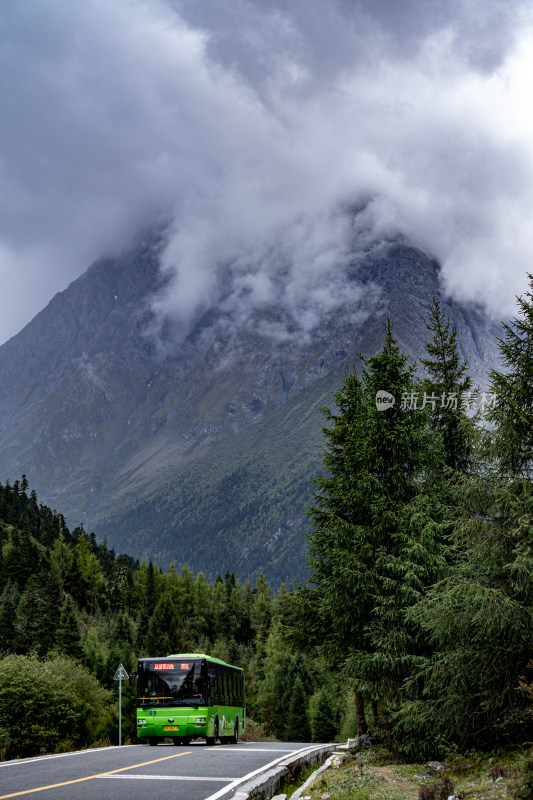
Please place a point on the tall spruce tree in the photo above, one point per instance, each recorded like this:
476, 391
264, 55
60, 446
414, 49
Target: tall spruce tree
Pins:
164, 635
36, 620
7, 622
447, 390
148, 603
323, 721
376, 539
512, 414
297, 728
68, 639
479, 619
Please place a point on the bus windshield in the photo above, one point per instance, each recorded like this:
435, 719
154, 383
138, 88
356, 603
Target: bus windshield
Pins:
172, 683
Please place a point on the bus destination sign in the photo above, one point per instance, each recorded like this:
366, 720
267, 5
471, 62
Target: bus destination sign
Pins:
164, 666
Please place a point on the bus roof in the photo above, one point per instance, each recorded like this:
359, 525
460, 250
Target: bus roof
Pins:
193, 655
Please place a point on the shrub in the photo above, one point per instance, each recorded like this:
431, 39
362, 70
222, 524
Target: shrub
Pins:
523, 787
48, 705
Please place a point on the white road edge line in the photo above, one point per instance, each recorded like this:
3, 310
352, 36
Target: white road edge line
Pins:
22, 761
238, 749
250, 775
162, 778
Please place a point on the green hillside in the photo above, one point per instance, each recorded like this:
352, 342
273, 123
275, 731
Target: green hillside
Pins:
242, 504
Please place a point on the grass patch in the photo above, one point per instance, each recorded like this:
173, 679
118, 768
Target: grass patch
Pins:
476, 776
288, 787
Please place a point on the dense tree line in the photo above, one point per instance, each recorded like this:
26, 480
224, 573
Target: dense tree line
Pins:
67, 600
416, 623
420, 552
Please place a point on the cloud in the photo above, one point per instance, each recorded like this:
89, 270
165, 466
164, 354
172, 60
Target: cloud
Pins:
254, 125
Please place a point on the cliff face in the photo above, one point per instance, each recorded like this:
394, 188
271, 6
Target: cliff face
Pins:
202, 451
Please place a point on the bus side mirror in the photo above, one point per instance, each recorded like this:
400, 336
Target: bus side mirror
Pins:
132, 678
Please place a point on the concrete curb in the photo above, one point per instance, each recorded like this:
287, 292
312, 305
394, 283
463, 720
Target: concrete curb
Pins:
264, 786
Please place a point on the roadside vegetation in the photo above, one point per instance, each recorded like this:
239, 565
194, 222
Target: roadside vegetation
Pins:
505, 774
416, 622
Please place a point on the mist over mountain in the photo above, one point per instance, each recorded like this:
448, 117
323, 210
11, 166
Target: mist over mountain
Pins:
195, 437
244, 122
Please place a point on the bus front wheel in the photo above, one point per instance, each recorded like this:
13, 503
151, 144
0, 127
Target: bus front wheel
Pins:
152, 741
235, 738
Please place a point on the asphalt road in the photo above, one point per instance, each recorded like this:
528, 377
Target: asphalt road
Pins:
141, 772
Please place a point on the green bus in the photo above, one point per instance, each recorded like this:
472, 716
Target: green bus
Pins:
189, 695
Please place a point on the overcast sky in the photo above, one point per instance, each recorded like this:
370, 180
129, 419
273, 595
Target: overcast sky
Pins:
253, 122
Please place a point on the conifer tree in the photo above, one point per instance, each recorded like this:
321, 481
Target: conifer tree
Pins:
478, 621
122, 586
447, 390
297, 728
123, 629
323, 720
376, 539
20, 557
7, 623
148, 603
295, 668
261, 610
68, 640
202, 619
512, 413
94, 655
50, 580
164, 635
92, 578
33, 632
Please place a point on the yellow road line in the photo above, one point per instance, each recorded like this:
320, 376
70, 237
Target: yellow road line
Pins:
91, 777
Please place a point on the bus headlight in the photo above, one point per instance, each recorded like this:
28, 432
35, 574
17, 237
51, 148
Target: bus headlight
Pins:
200, 720
141, 722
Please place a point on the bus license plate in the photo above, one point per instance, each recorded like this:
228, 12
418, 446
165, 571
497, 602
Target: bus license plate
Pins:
170, 728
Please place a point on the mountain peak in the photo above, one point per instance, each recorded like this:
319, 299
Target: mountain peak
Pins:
107, 410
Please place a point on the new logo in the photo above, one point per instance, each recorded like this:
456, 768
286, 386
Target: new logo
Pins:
384, 400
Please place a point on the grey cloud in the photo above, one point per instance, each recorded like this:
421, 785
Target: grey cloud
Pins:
329, 37
250, 124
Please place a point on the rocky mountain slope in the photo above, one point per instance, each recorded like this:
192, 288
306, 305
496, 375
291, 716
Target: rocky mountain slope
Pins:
200, 450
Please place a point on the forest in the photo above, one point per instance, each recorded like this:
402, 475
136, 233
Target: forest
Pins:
415, 624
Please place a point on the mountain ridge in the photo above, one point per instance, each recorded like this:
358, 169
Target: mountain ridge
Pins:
105, 416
